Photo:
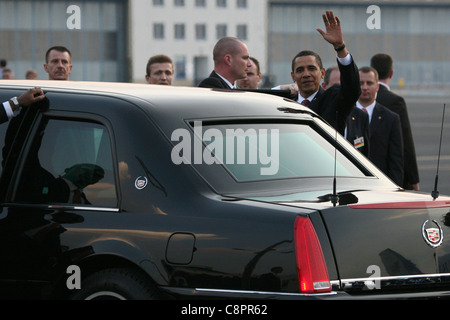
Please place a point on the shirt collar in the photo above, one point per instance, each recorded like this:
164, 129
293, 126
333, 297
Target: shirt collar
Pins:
384, 85
310, 98
369, 108
227, 82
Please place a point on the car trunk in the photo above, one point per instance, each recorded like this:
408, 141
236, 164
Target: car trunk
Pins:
382, 241
396, 244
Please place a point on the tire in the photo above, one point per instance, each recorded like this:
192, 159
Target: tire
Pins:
115, 284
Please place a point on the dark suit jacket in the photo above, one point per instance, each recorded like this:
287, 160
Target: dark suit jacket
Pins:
358, 130
3, 116
386, 143
397, 104
214, 81
335, 104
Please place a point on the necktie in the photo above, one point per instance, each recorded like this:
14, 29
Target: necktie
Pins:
364, 109
306, 102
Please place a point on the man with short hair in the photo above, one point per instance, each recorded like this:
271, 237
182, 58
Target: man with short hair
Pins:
386, 143
336, 103
31, 74
159, 70
253, 78
357, 131
332, 76
58, 63
7, 74
231, 63
384, 64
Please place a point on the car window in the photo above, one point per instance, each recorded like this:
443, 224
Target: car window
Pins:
69, 162
253, 152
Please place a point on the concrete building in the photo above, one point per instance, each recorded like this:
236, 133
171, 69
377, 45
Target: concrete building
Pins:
187, 31
111, 40
415, 32
94, 31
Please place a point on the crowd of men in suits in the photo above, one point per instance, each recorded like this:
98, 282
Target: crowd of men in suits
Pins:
356, 102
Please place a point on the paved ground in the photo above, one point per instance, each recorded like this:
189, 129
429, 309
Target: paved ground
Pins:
425, 114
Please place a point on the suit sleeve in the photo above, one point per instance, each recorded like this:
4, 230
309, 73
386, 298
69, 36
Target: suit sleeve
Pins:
348, 94
411, 168
350, 88
3, 115
211, 83
395, 161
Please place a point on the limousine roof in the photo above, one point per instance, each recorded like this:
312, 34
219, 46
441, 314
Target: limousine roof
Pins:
214, 102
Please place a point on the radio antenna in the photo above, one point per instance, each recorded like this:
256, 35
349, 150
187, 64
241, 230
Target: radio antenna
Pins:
435, 192
335, 197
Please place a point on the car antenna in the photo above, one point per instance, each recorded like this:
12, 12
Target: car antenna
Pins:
335, 197
435, 192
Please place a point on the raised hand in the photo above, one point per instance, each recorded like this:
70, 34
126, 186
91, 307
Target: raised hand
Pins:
333, 32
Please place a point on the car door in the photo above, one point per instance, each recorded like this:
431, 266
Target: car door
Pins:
64, 168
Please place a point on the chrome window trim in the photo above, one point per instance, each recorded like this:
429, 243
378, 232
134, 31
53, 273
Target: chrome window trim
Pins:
86, 208
62, 206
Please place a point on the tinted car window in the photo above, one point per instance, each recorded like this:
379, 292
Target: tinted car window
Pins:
69, 162
253, 152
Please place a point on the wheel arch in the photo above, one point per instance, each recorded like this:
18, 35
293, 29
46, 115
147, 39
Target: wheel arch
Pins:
111, 254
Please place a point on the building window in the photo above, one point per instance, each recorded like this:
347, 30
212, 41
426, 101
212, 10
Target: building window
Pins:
200, 31
200, 3
241, 4
180, 67
158, 3
221, 30
242, 32
180, 31
158, 31
221, 3
179, 3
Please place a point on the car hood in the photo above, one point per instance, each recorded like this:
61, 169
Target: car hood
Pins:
401, 239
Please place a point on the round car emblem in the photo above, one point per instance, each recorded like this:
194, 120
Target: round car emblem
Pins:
141, 183
432, 233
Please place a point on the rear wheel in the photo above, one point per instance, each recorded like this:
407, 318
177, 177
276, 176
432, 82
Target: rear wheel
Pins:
115, 284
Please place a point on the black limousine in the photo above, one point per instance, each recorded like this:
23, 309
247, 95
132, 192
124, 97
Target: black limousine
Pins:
133, 191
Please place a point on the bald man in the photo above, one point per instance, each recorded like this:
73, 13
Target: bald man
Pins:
231, 63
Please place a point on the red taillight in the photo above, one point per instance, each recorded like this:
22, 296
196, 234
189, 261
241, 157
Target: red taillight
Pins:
311, 267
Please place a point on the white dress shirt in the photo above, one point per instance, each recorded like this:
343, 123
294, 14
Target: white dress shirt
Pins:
368, 108
8, 109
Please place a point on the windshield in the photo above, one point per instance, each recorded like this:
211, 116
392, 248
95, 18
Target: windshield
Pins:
255, 152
